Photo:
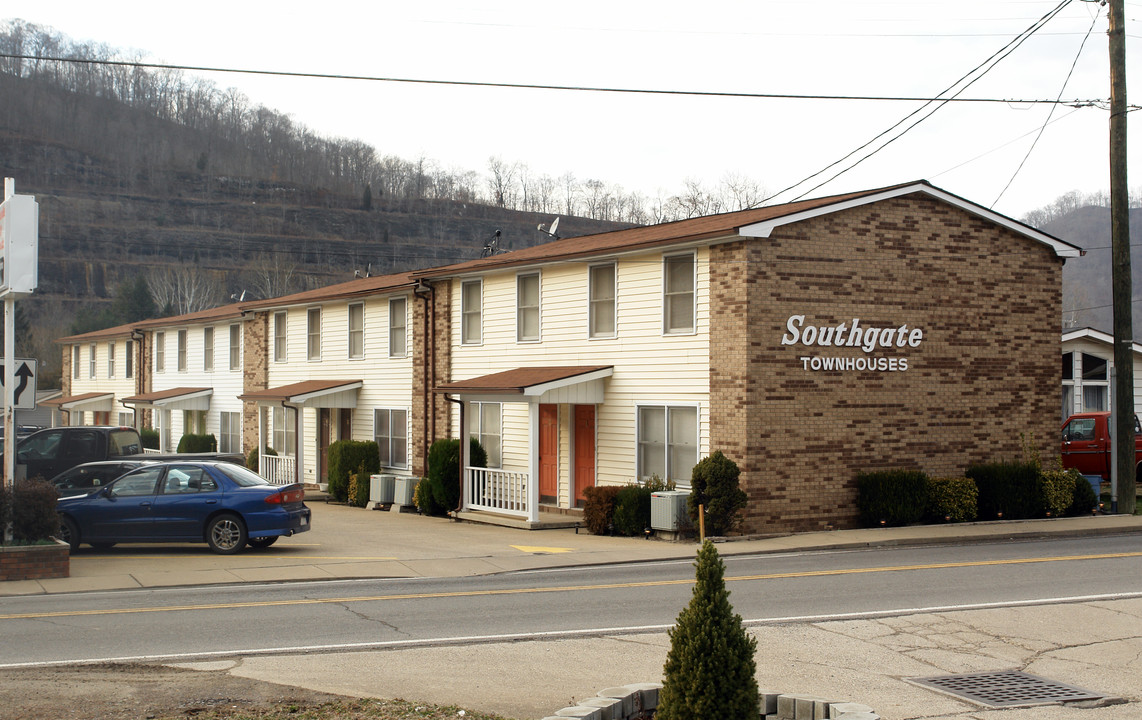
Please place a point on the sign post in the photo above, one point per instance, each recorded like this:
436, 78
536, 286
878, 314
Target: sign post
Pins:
19, 276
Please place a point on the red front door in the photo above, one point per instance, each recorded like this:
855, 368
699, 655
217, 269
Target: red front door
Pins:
584, 451
548, 453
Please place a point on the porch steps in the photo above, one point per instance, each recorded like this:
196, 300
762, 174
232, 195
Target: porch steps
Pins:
547, 520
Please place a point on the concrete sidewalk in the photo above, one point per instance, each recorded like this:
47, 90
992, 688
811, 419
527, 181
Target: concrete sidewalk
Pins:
350, 542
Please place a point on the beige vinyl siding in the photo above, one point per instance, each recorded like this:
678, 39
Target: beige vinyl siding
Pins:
120, 385
649, 367
386, 381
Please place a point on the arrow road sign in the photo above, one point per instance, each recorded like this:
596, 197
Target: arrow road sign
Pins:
24, 397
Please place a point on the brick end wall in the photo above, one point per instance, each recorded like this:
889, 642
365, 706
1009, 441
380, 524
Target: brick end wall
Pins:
430, 411
984, 376
255, 372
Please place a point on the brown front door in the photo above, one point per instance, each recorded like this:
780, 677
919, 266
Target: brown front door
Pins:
346, 425
584, 451
325, 428
548, 453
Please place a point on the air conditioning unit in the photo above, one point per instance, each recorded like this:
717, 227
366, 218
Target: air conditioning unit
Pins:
382, 488
406, 487
668, 510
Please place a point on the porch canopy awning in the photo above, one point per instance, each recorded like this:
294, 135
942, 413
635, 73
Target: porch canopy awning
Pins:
310, 394
571, 384
86, 402
181, 398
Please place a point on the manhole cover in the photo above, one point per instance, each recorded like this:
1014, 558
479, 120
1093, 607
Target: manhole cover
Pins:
1007, 688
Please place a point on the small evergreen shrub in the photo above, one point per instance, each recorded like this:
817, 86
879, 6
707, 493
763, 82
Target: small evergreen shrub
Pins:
423, 499
1084, 500
1010, 488
710, 671
359, 486
599, 508
150, 438
252, 457
952, 499
632, 510
898, 497
5, 508
346, 457
34, 516
1057, 489
714, 485
444, 473
191, 443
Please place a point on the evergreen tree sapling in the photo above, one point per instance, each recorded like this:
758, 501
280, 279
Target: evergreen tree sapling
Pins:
714, 486
710, 671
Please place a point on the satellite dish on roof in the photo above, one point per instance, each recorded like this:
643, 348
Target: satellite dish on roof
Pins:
552, 231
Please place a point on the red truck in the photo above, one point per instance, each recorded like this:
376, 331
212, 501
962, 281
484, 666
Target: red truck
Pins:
1086, 445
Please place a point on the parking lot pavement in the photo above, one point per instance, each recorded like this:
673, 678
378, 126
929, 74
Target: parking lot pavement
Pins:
347, 542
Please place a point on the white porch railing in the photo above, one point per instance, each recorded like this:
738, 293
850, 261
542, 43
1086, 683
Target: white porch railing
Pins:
152, 451
278, 469
494, 490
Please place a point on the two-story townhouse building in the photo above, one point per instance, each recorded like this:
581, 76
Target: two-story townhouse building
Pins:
100, 368
334, 363
194, 375
902, 327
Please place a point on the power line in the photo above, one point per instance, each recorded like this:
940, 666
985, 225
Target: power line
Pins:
536, 86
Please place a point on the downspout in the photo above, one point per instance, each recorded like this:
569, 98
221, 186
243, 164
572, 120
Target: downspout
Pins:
463, 450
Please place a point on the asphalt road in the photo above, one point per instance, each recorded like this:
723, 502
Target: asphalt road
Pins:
199, 623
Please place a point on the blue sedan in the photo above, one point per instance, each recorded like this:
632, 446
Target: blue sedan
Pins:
224, 505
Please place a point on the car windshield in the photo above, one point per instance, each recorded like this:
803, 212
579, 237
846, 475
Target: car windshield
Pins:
240, 475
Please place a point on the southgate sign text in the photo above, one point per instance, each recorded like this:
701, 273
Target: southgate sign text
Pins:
851, 335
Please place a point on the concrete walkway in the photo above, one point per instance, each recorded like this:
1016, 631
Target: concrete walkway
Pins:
1092, 645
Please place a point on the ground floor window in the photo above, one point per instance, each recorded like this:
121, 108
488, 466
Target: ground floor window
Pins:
667, 442
194, 422
285, 431
485, 425
230, 432
390, 430
127, 419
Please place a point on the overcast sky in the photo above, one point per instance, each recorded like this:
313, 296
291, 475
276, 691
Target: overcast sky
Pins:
653, 143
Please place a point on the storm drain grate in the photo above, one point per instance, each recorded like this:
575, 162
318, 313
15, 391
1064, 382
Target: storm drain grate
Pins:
1007, 688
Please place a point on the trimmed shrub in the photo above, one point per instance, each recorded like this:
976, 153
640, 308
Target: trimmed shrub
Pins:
1084, 500
599, 508
444, 474
191, 443
954, 499
150, 438
5, 508
359, 485
346, 457
632, 510
1057, 490
252, 458
422, 497
1010, 488
898, 497
714, 485
710, 670
34, 515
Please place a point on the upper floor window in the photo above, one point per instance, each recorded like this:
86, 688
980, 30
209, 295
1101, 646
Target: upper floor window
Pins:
129, 359
75, 362
357, 330
527, 307
208, 349
678, 294
91, 361
313, 334
182, 350
471, 312
160, 351
110, 360
235, 347
398, 327
602, 301
279, 337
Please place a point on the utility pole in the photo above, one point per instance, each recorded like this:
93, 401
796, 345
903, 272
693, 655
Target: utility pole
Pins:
1121, 280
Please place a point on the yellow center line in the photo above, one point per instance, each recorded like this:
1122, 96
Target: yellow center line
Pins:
563, 588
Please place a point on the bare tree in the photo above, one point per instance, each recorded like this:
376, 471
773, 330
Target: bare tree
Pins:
184, 288
271, 275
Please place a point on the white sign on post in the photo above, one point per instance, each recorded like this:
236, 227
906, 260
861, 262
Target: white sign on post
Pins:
19, 243
24, 392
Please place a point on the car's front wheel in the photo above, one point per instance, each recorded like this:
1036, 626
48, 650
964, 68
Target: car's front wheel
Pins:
262, 542
69, 532
226, 534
